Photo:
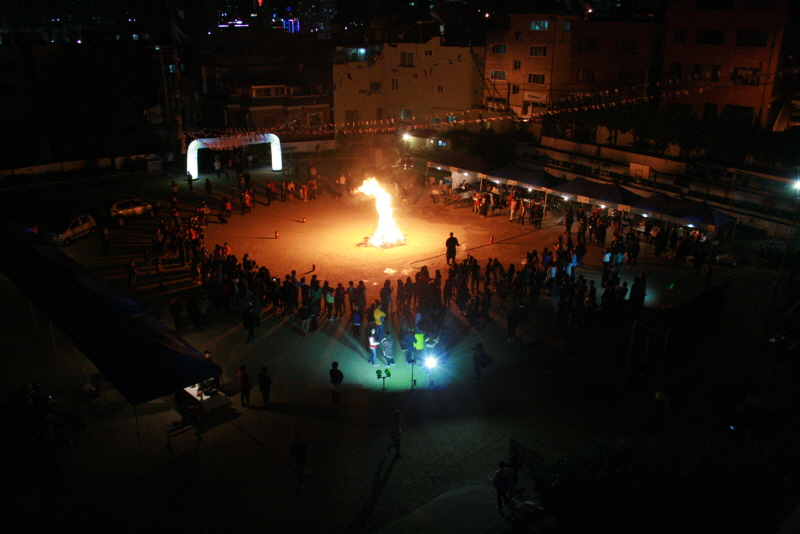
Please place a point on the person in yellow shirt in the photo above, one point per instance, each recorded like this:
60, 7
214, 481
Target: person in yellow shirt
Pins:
380, 321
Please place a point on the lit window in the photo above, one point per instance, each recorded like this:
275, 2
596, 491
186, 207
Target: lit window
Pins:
497, 75
436, 121
539, 25
406, 115
567, 25
500, 49
451, 118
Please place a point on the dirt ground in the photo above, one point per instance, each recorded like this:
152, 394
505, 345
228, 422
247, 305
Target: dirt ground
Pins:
555, 393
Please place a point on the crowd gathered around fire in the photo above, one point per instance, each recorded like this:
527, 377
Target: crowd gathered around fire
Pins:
415, 307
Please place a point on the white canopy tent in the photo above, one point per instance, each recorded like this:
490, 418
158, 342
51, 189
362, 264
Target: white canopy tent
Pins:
228, 143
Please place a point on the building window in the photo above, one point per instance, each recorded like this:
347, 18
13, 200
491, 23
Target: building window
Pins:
567, 25
745, 76
589, 44
675, 70
587, 75
441, 142
315, 119
706, 72
395, 84
351, 116
679, 36
440, 89
497, 74
515, 89
406, 59
428, 52
374, 87
538, 51
267, 91
627, 46
540, 25
451, 118
517, 64
436, 121
500, 49
406, 115
711, 37
752, 38
135, 36
536, 78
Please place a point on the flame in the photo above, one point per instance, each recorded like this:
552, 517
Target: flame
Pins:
387, 232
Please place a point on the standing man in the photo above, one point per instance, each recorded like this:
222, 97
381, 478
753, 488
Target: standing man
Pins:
244, 385
132, 272
380, 321
336, 382
395, 432
503, 480
209, 187
264, 385
451, 244
374, 341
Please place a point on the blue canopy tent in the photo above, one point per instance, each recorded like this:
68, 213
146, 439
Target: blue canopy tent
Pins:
133, 350
703, 214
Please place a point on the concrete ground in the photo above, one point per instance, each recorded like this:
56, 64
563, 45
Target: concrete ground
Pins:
552, 393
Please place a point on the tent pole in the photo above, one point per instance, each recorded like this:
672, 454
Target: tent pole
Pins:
138, 433
544, 211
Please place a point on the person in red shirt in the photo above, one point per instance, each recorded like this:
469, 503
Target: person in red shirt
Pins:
374, 341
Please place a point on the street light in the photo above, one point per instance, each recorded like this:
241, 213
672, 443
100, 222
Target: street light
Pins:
430, 363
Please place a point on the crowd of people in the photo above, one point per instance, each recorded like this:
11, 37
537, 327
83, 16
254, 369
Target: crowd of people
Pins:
415, 308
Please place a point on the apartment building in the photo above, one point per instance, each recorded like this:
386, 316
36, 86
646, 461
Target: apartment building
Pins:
421, 85
528, 65
726, 54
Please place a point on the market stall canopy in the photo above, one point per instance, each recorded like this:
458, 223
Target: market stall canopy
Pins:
595, 191
703, 213
133, 350
537, 178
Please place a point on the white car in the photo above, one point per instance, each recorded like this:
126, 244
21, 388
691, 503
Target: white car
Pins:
123, 208
77, 228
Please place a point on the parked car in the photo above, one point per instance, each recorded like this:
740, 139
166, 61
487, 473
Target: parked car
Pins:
75, 229
124, 208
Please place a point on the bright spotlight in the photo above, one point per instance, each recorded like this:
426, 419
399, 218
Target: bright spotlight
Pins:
797, 184
430, 362
602, 206
406, 137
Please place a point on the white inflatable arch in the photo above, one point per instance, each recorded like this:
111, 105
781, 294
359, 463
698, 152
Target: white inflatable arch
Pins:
228, 143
